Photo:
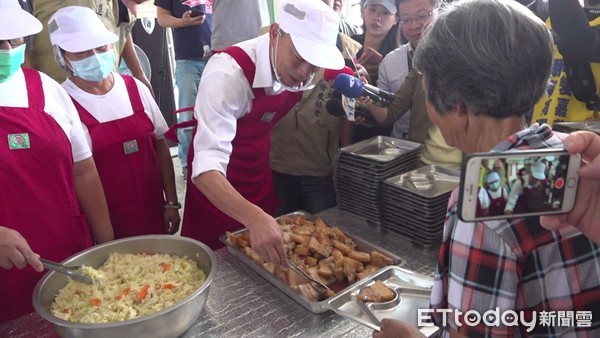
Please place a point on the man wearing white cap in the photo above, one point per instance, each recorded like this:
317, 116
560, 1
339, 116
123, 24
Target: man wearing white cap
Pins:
122, 123
493, 199
49, 179
532, 195
252, 85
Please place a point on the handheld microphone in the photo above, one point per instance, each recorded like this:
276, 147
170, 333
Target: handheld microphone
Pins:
331, 74
352, 87
336, 108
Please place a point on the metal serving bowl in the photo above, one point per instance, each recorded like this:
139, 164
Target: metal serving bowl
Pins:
170, 322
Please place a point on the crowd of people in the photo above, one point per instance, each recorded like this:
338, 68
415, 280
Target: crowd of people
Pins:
91, 153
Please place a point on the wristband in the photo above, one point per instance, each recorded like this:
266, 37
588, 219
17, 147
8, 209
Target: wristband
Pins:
173, 205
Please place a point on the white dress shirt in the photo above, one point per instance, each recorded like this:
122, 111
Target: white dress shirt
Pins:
224, 96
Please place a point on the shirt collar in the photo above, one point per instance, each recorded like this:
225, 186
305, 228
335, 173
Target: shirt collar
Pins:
264, 77
535, 136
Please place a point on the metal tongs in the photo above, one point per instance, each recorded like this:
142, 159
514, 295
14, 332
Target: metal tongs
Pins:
72, 271
320, 287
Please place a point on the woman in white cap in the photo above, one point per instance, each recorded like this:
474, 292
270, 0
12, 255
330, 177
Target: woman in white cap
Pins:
123, 126
243, 92
48, 173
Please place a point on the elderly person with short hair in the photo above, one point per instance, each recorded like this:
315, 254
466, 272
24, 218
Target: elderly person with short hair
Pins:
485, 63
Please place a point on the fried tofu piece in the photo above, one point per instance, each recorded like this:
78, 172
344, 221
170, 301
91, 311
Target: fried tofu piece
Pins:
360, 256
380, 259
320, 250
351, 268
310, 261
376, 293
369, 269
253, 255
299, 238
342, 247
308, 291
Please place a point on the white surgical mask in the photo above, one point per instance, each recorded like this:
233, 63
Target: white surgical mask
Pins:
95, 67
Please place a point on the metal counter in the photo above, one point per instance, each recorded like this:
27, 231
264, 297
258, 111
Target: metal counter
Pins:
243, 304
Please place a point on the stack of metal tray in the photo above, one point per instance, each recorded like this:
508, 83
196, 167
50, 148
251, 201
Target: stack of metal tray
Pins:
568, 127
415, 203
362, 167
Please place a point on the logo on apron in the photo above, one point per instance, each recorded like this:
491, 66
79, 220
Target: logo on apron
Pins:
268, 117
130, 147
18, 141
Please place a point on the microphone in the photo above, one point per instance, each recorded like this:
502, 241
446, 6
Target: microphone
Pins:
331, 74
352, 87
336, 108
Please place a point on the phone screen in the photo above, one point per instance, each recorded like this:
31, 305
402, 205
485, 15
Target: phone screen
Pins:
519, 185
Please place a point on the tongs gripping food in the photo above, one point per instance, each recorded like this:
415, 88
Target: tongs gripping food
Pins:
320, 287
72, 271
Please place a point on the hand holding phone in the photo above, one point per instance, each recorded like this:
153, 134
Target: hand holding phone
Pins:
586, 212
194, 13
517, 184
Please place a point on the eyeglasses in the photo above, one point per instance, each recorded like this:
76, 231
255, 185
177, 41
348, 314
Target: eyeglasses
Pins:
421, 18
14, 42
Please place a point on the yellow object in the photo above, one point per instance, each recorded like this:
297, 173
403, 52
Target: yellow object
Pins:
559, 104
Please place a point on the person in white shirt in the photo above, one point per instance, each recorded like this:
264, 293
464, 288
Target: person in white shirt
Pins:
123, 125
243, 92
492, 199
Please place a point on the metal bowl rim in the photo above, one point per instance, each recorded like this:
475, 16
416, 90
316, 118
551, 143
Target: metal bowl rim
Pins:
47, 315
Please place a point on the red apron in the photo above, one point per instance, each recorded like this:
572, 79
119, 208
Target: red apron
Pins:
125, 155
38, 194
248, 170
497, 205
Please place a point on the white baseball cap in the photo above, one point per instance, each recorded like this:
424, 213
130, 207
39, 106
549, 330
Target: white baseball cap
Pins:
16, 22
390, 5
313, 27
78, 29
538, 170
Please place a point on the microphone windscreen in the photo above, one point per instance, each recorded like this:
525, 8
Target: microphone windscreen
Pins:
330, 74
335, 107
348, 85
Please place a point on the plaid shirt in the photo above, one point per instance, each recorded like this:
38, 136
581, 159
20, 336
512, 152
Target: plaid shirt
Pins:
517, 265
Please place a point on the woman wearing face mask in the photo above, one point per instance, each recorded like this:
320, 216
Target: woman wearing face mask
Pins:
123, 125
49, 180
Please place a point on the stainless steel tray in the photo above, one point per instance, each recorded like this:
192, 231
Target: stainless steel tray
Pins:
567, 127
381, 148
428, 181
312, 306
412, 293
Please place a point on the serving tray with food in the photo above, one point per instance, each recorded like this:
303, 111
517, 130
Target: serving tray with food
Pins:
325, 253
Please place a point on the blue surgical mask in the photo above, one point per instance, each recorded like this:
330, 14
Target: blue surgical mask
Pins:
11, 61
95, 67
494, 185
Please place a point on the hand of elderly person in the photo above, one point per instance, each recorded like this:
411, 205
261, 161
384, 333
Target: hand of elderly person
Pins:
586, 213
392, 328
15, 251
266, 239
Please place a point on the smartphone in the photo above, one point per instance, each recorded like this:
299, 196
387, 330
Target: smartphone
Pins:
195, 12
517, 184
